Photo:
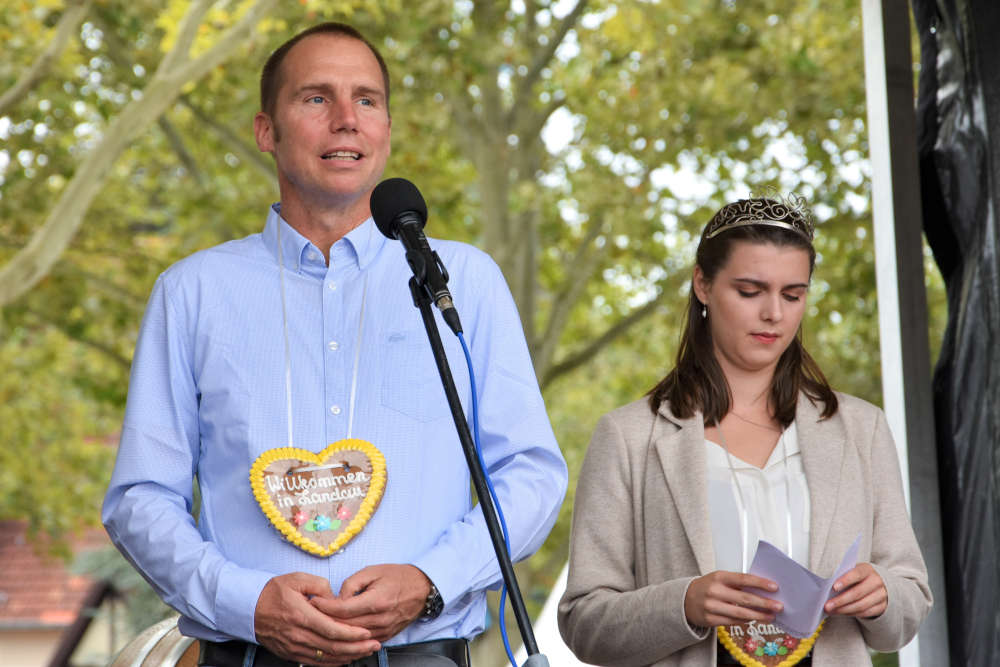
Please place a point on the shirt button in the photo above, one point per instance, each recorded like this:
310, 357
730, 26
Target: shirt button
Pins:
335, 409
334, 345
312, 255
332, 285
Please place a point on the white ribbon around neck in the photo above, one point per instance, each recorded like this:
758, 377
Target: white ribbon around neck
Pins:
288, 356
744, 518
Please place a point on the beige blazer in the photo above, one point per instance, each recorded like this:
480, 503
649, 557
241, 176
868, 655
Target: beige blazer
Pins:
641, 533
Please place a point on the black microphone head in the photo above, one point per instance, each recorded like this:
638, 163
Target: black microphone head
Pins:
393, 197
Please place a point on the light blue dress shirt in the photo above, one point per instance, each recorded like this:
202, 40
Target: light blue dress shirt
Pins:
207, 397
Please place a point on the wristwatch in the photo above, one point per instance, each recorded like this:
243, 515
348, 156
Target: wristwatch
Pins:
433, 605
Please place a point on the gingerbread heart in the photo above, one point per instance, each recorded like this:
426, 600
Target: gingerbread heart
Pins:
320, 502
764, 645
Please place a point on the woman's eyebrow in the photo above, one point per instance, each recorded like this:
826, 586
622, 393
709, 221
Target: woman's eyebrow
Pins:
763, 284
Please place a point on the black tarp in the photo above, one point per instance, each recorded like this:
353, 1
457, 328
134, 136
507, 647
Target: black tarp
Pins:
958, 117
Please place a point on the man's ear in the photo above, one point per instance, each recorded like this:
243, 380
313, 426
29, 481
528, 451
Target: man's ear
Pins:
263, 132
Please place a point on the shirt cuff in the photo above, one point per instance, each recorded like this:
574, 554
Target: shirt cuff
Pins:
239, 590
436, 565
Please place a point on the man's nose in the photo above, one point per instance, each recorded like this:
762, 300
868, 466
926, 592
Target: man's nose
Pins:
343, 116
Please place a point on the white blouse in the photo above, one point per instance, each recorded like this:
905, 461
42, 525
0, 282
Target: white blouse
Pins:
766, 500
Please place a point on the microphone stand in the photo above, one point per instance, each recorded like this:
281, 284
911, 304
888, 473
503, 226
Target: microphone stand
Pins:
421, 300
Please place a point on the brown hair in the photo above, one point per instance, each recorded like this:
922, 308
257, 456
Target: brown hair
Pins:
270, 76
697, 381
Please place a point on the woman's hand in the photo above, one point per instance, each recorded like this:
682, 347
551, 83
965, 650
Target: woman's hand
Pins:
862, 594
718, 599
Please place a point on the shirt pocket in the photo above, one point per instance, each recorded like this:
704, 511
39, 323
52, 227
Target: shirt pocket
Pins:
411, 384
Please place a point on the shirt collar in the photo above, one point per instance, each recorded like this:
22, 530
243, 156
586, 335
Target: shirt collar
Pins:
365, 242
293, 244
717, 454
791, 438
362, 244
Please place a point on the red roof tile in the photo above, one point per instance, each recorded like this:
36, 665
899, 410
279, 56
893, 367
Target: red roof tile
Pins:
37, 589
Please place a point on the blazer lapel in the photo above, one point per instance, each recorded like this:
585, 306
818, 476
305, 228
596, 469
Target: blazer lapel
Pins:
822, 445
681, 452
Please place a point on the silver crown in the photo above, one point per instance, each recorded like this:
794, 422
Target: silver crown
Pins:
768, 208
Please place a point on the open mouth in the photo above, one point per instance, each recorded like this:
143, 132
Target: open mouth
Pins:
342, 155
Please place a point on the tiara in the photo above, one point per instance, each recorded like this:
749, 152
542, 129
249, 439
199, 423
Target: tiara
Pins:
770, 208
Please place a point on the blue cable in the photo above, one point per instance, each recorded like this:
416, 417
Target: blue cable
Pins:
493, 494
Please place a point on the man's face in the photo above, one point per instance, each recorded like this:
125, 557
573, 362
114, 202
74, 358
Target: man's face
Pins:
329, 132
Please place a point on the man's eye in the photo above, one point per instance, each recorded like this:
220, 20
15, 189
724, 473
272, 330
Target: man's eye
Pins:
746, 294
792, 297
367, 101
317, 99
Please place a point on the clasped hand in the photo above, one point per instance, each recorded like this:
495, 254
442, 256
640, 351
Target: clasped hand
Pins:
720, 598
861, 593
300, 619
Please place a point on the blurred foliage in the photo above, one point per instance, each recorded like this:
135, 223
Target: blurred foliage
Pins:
584, 148
142, 607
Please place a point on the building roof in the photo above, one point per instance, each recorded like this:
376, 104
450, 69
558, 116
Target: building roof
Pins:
37, 589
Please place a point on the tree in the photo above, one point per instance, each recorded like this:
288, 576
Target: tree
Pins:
176, 69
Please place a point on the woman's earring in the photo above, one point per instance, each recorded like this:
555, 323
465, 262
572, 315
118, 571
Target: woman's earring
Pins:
704, 311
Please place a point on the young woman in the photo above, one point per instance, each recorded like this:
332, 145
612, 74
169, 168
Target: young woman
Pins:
743, 440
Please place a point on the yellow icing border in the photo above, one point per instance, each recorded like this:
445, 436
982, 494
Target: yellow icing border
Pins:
375, 489
741, 656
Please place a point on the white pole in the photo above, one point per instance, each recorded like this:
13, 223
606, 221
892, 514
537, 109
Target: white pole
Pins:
902, 300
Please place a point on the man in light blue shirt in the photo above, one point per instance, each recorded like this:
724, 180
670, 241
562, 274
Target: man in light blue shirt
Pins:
308, 331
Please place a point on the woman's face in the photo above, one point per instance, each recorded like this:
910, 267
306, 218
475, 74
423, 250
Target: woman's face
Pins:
755, 304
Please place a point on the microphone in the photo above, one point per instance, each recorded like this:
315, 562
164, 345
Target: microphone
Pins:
400, 213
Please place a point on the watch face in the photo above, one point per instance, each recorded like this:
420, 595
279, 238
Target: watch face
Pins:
434, 604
